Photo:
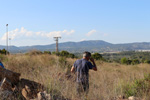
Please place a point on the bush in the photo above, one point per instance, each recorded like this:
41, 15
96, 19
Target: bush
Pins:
64, 54
129, 62
97, 56
147, 61
55, 53
34, 52
3, 51
135, 61
124, 60
71, 56
47, 52
138, 87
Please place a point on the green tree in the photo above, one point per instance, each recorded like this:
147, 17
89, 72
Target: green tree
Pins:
124, 60
4, 51
97, 56
67, 54
147, 61
64, 53
47, 52
135, 61
72, 55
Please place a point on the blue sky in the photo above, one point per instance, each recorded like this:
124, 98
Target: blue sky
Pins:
36, 22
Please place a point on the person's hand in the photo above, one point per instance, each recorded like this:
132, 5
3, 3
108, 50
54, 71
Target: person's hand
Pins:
91, 59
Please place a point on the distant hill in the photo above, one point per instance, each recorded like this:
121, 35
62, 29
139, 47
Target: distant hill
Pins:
91, 45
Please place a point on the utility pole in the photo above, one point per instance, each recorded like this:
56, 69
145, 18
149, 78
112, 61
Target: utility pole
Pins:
9, 45
56, 39
7, 38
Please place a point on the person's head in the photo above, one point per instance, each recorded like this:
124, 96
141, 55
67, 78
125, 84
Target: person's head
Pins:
86, 55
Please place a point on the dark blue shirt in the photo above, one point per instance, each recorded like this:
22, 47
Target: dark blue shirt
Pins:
82, 67
1, 65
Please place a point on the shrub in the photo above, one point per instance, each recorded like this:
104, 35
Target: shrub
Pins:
71, 56
47, 52
64, 54
124, 60
135, 61
3, 51
129, 62
97, 56
138, 87
34, 52
147, 61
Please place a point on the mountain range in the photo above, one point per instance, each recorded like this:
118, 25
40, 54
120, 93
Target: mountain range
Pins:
78, 47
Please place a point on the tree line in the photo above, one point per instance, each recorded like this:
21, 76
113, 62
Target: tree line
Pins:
4, 51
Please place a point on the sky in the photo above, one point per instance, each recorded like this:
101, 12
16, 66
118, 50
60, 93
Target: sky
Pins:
36, 22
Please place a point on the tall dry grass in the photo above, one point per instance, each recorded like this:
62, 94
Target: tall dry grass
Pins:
54, 73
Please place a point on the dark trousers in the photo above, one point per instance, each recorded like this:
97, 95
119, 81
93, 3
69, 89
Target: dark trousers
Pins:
82, 88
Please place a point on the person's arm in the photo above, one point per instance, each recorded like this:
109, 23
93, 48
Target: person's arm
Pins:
73, 69
95, 67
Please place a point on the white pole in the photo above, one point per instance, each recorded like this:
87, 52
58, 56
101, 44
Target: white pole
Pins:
7, 38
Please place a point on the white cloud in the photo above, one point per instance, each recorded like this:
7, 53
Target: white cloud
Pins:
23, 33
91, 32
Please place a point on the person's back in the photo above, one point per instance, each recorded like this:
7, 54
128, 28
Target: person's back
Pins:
82, 67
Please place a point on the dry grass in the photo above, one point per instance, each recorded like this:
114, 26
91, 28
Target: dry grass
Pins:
54, 73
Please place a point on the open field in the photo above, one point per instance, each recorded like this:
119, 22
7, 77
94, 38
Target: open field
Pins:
111, 79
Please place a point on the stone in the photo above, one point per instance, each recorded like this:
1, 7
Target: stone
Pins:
5, 85
13, 77
6, 95
43, 96
134, 98
25, 94
30, 89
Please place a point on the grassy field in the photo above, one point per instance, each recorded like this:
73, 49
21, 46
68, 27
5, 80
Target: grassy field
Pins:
111, 79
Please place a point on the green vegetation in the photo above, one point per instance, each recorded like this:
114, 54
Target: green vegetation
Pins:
128, 57
47, 52
97, 56
64, 54
111, 79
3, 51
138, 87
126, 61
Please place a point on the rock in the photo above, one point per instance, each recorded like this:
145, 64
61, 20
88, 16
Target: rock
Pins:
5, 85
6, 95
31, 84
134, 98
131, 98
119, 98
30, 89
43, 96
10, 75
25, 94
28, 93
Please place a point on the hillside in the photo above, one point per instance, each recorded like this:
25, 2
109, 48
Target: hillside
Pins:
110, 81
91, 45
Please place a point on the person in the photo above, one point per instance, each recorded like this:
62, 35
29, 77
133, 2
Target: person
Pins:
81, 68
1, 64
